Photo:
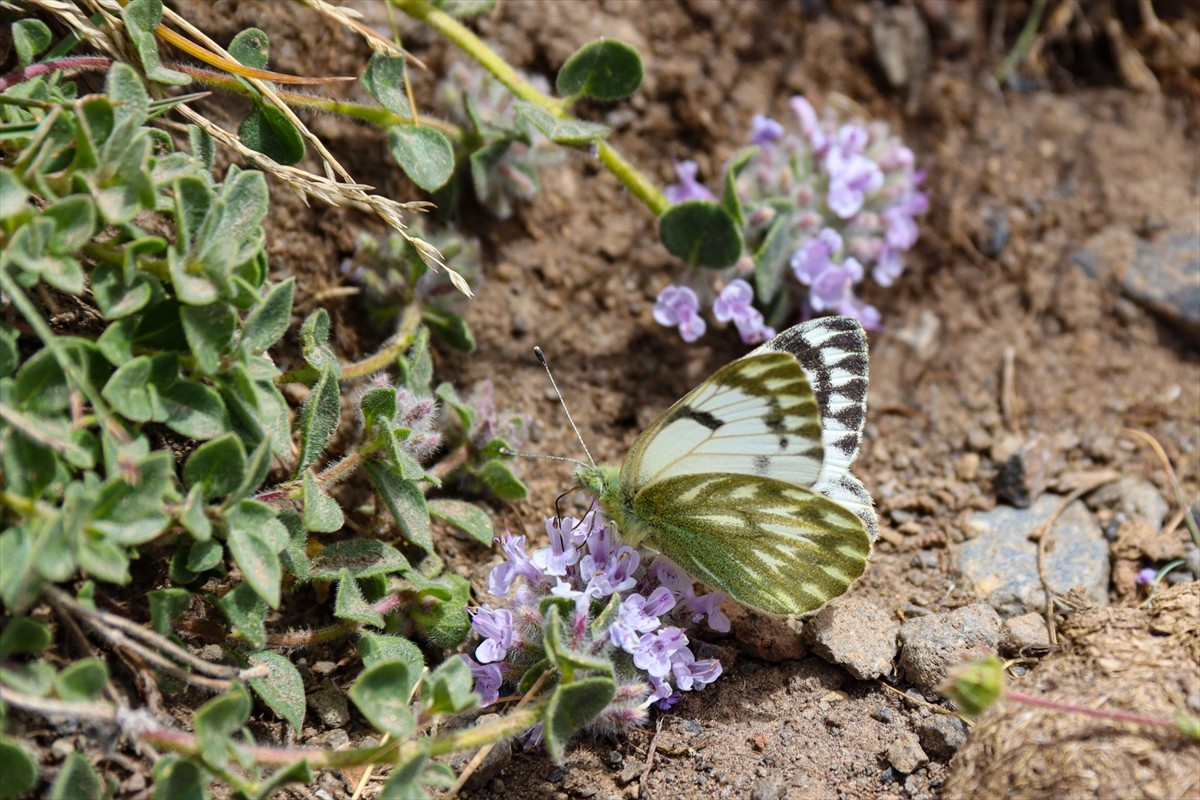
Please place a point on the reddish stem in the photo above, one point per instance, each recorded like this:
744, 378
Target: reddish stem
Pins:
1119, 716
97, 63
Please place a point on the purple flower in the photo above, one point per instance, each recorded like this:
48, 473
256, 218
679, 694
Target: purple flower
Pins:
835, 283
561, 553
888, 267
679, 306
613, 576
654, 651
868, 315
816, 255
516, 565
638, 615
734, 303
692, 674
810, 126
708, 605
1145, 576
495, 625
488, 679
664, 572
663, 695
851, 179
688, 187
764, 130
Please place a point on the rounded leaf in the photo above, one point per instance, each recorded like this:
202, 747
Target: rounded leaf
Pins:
282, 688
701, 233
424, 154
605, 69
381, 694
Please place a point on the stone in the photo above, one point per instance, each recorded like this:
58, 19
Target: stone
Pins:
1000, 559
328, 702
941, 735
856, 634
1133, 497
1165, 277
769, 787
905, 754
931, 645
1024, 635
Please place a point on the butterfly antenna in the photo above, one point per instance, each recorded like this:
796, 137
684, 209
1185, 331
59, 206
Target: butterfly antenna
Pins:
542, 358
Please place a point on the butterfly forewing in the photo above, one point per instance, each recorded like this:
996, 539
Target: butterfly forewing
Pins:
756, 416
781, 548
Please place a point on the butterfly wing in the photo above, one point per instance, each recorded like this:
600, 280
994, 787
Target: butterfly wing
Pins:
771, 545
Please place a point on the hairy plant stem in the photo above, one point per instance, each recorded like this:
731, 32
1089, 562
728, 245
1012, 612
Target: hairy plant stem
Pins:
1119, 716
638, 183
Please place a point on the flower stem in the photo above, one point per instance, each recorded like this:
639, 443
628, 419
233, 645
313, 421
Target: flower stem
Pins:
1119, 716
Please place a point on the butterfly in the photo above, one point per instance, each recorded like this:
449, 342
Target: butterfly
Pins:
745, 482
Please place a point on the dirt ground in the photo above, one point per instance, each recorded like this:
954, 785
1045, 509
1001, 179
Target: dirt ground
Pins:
993, 336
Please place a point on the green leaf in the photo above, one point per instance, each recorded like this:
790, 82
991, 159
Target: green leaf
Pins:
102, 559
404, 782
269, 320
295, 556
701, 233
76, 780
773, 258
194, 410
205, 555
296, 772
378, 405
377, 647
406, 501
447, 690
443, 623
247, 613
251, 47
10, 358
35, 678
217, 721
217, 467
425, 155
209, 330
568, 131
350, 603
267, 130
30, 37
314, 338
729, 195
18, 770
192, 515
258, 561
384, 80
559, 651
318, 418
130, 392
467, 517
382, 695
176, 778
141, 18
322, 514
282, 689
571, 707
23, 635
464, 8
451, 327
500, 479
166, 605
605, 69
363, 557
81, 681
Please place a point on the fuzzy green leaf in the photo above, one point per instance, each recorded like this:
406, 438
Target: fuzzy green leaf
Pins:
176, 778
605, 69
192, 515
217, 721
571, 707
193, 409
502, 481
465, 516
282, 689
384, 80
30, 37
166, 605
81, 681
377, 647
23, 635
251, 47
318, 418
18, 770
363, 557
322, 514
701, 233
404, 782
406, 501
265, 129
350, 603
76, 780
425, 155
447, 690
269, 320
217, 466
258, 561
382, 695
451, 327
209, 330
568, 131
246, 613
205, 555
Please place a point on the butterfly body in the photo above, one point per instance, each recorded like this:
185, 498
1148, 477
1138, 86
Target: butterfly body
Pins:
745, 483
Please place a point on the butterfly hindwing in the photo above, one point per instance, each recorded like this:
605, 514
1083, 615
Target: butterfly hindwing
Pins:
781, 548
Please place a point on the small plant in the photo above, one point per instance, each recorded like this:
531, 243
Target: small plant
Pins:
820, 210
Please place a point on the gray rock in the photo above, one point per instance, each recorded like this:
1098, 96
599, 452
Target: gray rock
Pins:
1165, 277
857, 634
905, 754
328, 702
1193, 561
769, 787
1024, 635
930, 646
941, 735
1001, 559
1135, 497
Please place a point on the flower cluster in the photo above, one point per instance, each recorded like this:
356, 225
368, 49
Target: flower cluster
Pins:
633, 615
507, 167
838, 202
679, 306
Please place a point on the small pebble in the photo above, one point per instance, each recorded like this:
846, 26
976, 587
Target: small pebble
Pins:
941, 735
905, 754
